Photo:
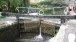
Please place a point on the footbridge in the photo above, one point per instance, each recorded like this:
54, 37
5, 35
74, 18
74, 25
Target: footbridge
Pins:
61, 17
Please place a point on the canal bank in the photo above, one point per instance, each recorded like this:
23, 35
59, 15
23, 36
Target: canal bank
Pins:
8, 33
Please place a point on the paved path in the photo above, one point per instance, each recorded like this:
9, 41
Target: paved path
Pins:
7, 21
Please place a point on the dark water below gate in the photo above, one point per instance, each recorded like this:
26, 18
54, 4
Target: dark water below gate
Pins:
33, 37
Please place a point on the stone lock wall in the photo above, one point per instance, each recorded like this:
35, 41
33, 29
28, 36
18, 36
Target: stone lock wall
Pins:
34, 27
8, 33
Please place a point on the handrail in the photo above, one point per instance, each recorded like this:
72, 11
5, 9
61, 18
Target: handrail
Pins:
62, 17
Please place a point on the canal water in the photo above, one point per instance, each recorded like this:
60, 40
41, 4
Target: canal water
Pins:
37, 37
66, 33
33, 37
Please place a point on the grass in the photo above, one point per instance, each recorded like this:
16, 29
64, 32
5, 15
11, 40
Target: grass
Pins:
2, 17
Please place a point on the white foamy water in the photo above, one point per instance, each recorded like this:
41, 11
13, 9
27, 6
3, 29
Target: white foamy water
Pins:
66, 32
39, 37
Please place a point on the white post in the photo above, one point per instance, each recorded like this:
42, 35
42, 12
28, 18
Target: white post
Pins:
28, 9
53, 11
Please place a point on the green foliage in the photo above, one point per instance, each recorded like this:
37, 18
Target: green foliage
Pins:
1, 17
58, 5
10, 5
36, 5
59, 11
48, 12
45, 3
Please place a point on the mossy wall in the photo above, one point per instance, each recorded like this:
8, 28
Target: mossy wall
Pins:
48, 29
8, 33
34, 27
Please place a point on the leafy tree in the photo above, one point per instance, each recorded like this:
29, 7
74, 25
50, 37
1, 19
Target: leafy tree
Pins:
3, 5
25, 3
12, 4
45, 2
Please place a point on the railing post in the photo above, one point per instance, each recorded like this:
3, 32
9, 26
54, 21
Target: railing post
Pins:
74, 16
62, 20
18, 26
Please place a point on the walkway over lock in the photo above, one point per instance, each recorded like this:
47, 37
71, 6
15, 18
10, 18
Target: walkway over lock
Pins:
62, 17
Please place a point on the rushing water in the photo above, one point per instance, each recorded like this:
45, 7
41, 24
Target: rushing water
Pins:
34, 37
39, 37
66, 33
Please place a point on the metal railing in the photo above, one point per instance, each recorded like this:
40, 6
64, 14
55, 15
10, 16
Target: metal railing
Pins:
61, 17
39, 9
